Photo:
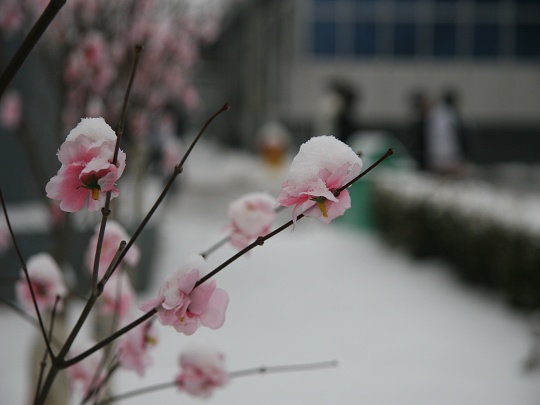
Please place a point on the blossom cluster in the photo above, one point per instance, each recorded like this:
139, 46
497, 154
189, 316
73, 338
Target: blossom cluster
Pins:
97, 46
317, 182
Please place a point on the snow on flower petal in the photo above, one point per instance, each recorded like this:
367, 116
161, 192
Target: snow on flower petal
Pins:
181, 305
47, 283
87, 172
251, 216
322, 166
202, 370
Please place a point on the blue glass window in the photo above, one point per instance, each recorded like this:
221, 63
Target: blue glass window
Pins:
486, 40
528, 40
324, 38
364, 39
405, 39
440, 31
444, 40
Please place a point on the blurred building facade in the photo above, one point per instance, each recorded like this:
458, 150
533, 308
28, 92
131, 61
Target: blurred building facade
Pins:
277, 56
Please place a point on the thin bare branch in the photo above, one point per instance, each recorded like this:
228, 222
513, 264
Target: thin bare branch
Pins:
234, 374
177, 170
261, 239
108, 340
105, 211
27, 276
29, 42
43, 363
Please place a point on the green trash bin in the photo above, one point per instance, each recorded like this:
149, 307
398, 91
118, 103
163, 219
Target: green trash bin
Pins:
372, 145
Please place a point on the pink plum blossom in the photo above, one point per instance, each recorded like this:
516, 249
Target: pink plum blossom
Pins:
184, 307
323, 165
202, 370
251, 216
133, 347
118, 296
82, 375
47, 283
87, 172
114, 235
11, 110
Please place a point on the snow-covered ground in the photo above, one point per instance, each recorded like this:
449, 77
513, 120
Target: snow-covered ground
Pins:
404, 332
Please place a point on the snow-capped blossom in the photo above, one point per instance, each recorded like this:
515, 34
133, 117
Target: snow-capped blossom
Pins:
251, 216
114, 235
87, 172
182, 306
133, 347
11, 110
47, 283
323, 165
202, 370
82, 375
117, 298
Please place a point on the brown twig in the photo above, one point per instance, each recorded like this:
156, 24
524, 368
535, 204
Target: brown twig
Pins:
215, 247
43, 363
233, 374
105, 211
225, 239
27, 276
95, 290
108, 340
261, 239
177, 170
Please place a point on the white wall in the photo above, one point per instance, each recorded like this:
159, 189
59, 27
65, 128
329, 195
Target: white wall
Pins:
497, 92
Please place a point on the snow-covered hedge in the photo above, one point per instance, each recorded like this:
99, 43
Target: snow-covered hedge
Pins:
491, 236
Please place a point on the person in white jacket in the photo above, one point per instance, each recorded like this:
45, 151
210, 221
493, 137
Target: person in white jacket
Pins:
445, 143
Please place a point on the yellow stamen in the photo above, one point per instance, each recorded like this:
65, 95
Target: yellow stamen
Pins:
151, 340
322, 207
95, 193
